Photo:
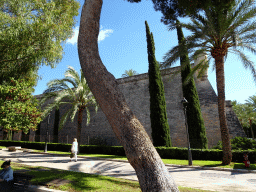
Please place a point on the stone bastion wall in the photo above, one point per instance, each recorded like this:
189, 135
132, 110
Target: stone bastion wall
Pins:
136, 92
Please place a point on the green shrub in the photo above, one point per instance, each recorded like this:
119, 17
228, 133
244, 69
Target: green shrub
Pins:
98, 141
218, 146
239, 143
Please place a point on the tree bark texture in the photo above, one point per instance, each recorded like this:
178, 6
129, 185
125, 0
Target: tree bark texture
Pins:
220, 78
151, 171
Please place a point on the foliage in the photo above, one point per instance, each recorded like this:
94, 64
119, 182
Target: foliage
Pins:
31, 33
215, 31
195, 121
129, 73
181, 8
246, 114
248, 130
98, 141
242, 143
158, 116
237, 32
80, 97
18, 108
252, 102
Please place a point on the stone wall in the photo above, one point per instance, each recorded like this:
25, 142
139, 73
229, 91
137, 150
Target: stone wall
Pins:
136, 92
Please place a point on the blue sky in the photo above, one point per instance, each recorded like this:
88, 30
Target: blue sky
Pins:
123, 46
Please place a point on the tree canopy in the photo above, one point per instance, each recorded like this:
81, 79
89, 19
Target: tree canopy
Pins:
129, 73
18, 108
31, 33
172, 9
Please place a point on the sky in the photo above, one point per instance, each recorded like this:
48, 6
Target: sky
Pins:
123, 46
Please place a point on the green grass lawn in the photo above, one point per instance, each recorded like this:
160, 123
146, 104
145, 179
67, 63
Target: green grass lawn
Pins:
90, 182
79, 182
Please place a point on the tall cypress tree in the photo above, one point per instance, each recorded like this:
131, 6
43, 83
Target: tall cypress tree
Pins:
195, 121
158, 116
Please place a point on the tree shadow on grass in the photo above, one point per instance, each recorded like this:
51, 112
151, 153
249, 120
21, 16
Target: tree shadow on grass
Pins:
76, 180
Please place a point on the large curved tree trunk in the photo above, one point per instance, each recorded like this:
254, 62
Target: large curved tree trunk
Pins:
150, 170
220, 78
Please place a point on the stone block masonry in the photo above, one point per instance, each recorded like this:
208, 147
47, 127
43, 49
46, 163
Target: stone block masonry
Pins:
136, 92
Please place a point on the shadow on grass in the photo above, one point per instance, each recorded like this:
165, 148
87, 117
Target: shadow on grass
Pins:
242, 166
75, 181
81, 181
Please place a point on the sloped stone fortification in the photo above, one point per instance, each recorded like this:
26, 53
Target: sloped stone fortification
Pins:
136, 92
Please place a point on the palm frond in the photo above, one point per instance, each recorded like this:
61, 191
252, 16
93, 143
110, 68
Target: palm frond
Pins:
244, 15
46, 97
74, 110
171, 27
247, 63
69, 80
171, 57
174, 74
82, 79
249, 47
64, 119
65, 94
251, 101
71, 73
55, 85
249, 38
247, 28
88, 116
201, 68
47, 110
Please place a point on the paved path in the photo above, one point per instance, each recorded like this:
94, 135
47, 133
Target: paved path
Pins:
206, 179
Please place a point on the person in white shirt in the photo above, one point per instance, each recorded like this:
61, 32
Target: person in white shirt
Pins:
74, 149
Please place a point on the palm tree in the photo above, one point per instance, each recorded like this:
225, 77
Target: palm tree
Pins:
251, 101
129, 73
80, 97
246, 113
214, 32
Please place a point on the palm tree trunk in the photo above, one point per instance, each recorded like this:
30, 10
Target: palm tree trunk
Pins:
151, 172
220, 78
79, 128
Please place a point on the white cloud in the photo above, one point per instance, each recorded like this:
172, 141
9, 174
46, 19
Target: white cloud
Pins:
73, 39
102, 35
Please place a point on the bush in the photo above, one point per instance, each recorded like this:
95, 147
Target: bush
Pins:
239, 143
97, 141
218, 146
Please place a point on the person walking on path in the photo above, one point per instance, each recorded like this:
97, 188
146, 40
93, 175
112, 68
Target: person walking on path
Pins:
6, 176
74, 149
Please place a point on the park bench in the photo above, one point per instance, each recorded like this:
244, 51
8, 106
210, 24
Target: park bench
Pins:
20, 181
